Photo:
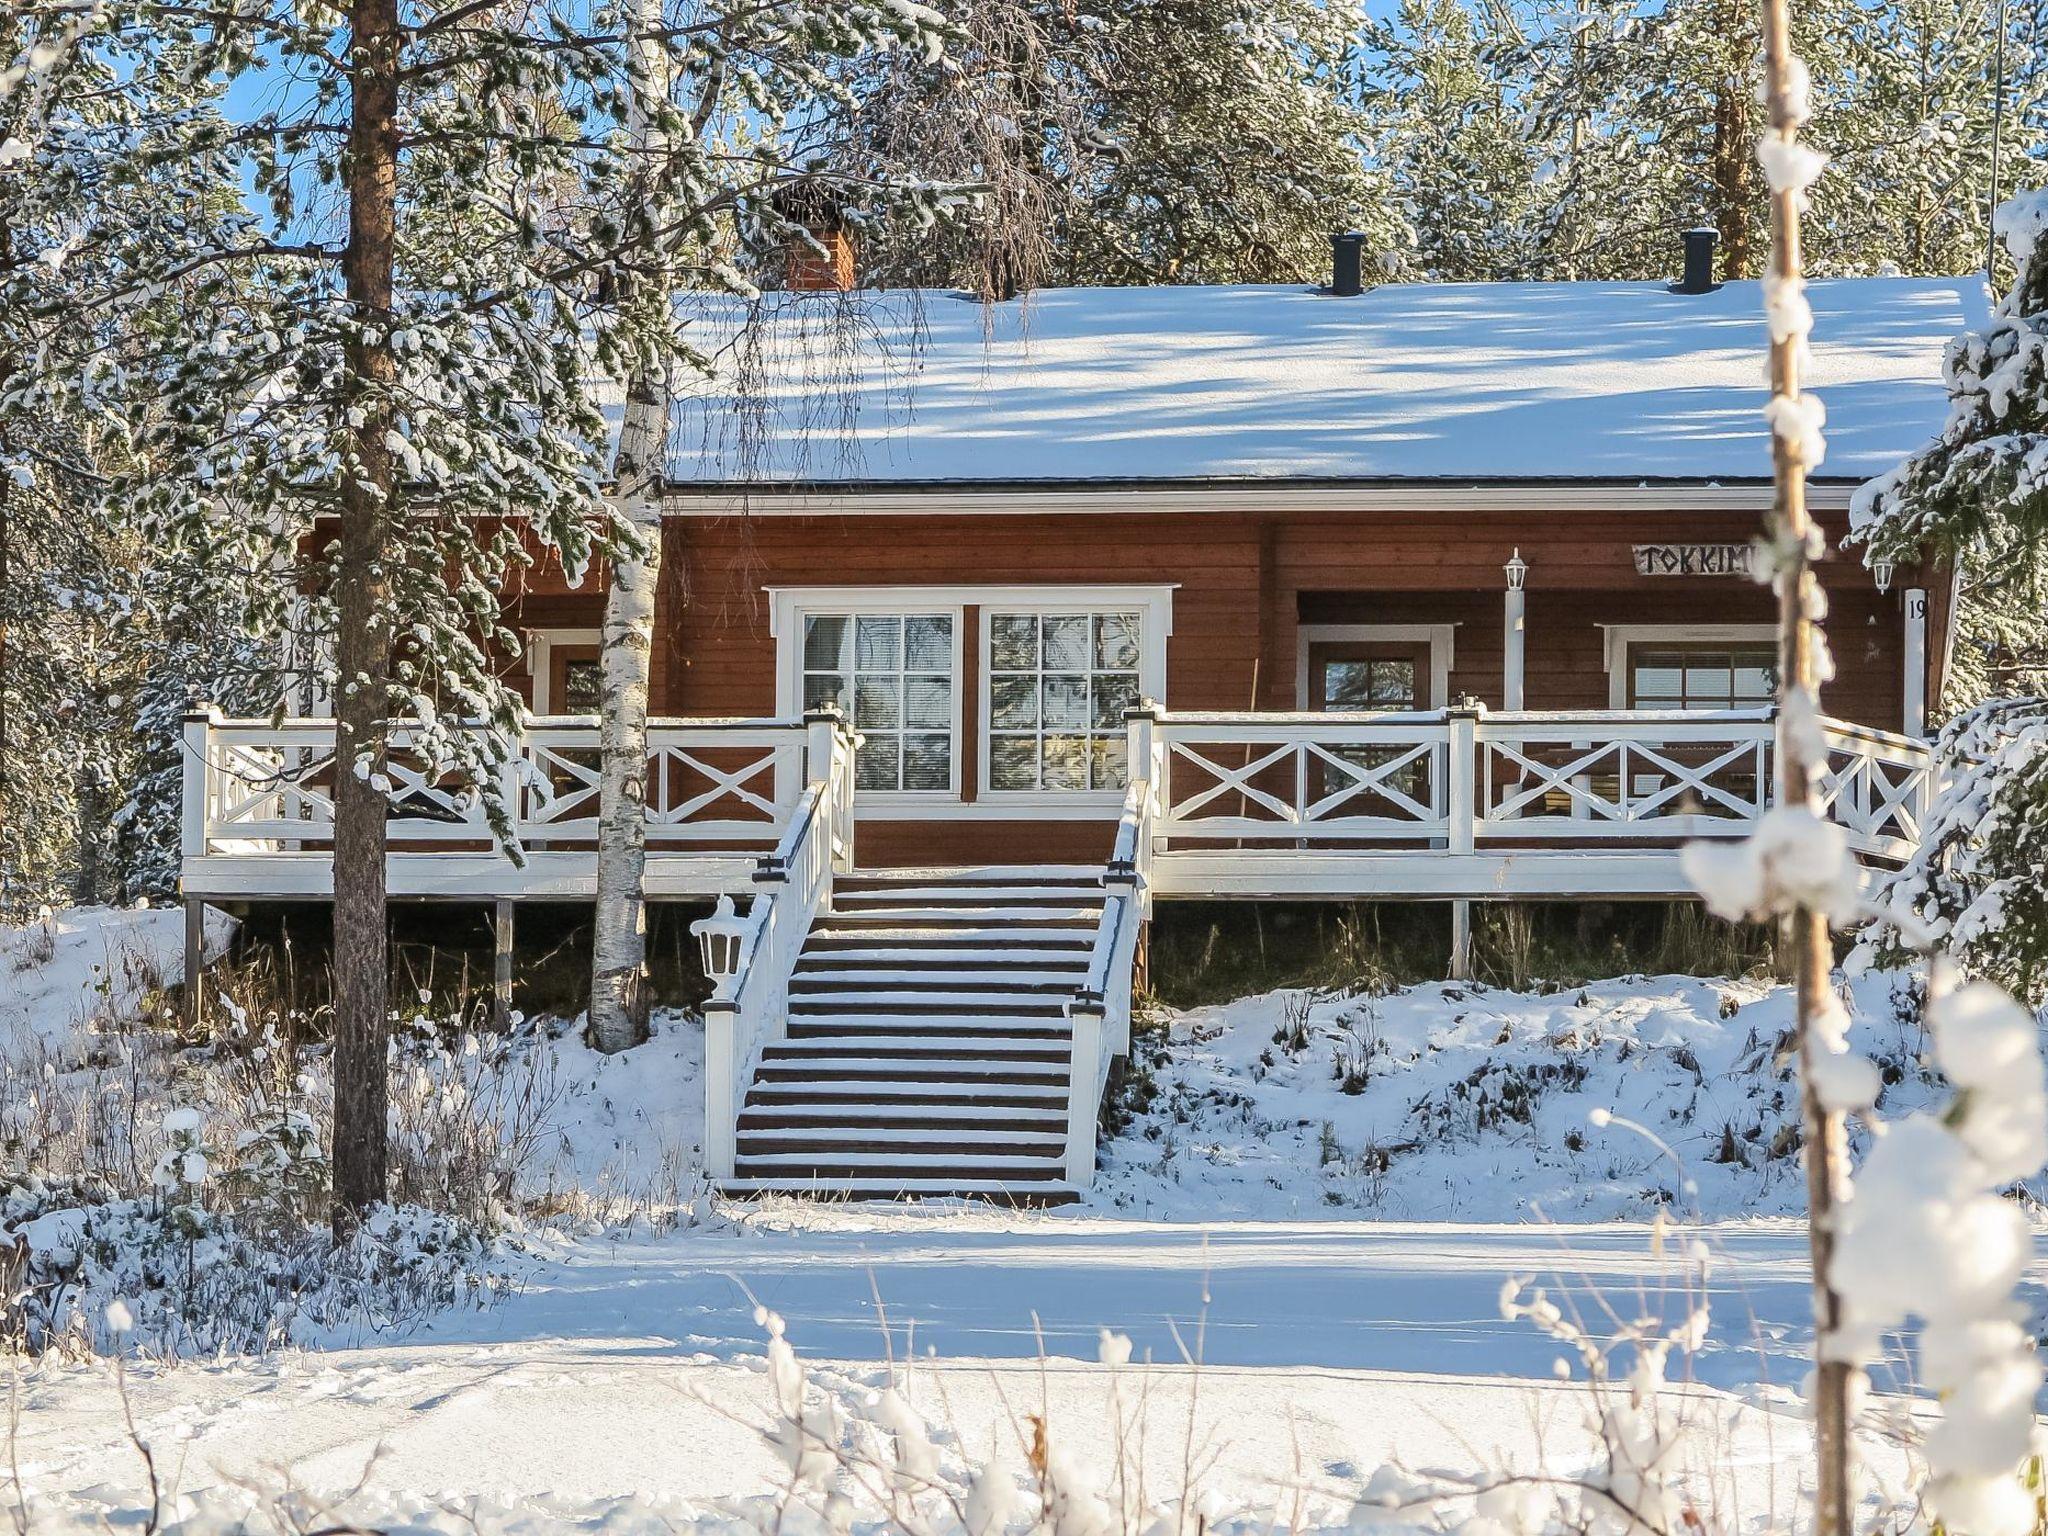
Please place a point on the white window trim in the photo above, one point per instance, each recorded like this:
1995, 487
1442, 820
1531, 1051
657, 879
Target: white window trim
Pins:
1441, 639
785, 623
1619, 637
788, 605
539, 643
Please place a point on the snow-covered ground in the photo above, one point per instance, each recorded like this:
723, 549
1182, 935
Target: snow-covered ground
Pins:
1327, 1348
1454, 1101
1267, 1230
79, 967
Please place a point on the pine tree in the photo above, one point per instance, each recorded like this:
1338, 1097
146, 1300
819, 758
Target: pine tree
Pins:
1906, 116
394, 406
1467, 181
1978, 496
85, 206
1162, 141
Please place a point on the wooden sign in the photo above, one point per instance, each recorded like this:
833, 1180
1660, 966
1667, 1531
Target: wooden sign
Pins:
1694, 559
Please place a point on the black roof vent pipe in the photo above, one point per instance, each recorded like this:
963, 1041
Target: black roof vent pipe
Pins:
1699, 261
1347, 265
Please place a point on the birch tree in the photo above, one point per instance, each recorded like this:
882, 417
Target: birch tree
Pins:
733, 125
618, 1003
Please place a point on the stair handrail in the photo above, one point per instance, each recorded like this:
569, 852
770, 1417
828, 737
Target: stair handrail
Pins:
1099, 1011
749, 1008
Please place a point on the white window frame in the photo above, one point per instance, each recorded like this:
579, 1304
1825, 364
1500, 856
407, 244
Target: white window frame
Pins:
787, 607
1440, 638
790, 606
539, 663
1620, 637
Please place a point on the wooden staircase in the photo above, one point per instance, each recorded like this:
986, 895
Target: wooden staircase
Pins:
928, 1047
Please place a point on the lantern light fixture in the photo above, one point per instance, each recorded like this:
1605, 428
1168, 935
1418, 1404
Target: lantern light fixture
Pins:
1517, 570
1882, 570
719, 939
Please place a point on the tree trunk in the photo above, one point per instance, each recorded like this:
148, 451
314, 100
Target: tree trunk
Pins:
618, 951
1799, 605
1734, 176
363, 649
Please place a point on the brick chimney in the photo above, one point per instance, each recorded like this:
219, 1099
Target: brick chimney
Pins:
817, 210
807, 271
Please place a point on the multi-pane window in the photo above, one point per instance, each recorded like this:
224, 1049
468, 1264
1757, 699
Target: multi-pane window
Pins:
892, 674
1702, 676
1059, 684
582, 689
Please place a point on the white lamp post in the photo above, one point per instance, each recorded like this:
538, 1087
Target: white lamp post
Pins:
1512, 633
719, 938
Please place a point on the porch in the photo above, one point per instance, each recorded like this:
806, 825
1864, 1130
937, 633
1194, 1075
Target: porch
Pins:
1430, 804
951, 1031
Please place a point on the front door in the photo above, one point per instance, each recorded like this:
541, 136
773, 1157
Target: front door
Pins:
575, 685
1362, 676
1368, 675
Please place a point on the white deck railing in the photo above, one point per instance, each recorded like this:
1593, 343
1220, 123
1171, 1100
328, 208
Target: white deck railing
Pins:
1460, 780
254, 786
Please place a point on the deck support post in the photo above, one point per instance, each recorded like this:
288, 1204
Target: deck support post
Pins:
1915, 722
1461, 939
501, 963
195, 962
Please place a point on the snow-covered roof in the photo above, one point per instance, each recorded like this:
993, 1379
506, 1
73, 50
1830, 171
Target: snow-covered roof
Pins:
1478, 381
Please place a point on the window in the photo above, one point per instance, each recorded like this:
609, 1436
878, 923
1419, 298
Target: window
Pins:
892, 674
1059, 684
582, 687
1717, 676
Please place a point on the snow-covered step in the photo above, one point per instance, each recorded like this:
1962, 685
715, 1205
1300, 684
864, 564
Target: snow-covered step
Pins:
926, 1046
1059, 982
919, 986
982, 915
921, 1051
870, 931
890, 1187
826, 1162
844, 1140
909, 1003
891, 1094
937, 1070
973, 875
1043, 1115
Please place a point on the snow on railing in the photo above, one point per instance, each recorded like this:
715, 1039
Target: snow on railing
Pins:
791, 886
1456, 779
257, 786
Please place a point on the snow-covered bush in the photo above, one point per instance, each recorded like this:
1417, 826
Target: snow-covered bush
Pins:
197, 1282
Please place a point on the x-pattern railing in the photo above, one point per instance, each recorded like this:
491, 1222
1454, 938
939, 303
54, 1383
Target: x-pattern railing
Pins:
1463, 779
1264, 776
266, 785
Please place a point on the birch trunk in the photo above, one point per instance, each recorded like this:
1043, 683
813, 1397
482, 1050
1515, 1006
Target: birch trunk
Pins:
618, 952
364, 640
1800, 649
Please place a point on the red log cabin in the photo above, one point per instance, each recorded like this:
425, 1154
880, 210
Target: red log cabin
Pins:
985, 627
